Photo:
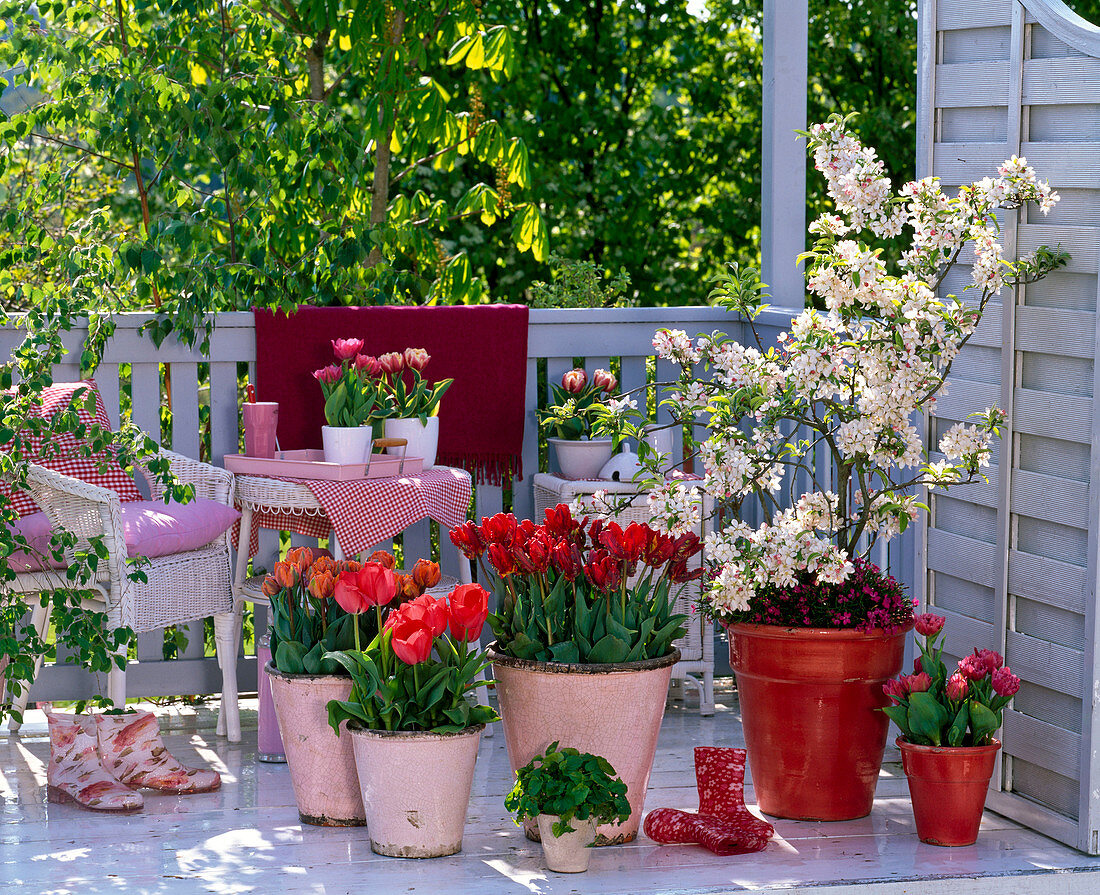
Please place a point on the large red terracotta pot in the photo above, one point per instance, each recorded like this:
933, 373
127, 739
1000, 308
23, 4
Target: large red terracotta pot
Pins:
948, 785
809, 700
609, 710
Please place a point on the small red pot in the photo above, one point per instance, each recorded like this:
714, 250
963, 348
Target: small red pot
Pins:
809, 707
948, 785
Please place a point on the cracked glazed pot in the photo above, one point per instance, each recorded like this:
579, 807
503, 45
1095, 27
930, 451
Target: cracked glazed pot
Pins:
948, 785
809, 708
609, 710
416, 788
322, 765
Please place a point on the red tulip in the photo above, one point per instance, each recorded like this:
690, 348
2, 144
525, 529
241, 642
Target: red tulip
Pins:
346, 349
574, 381
560, 522
411, 639
658, 548
393, 362
680, 573
467, 538
327, 374
566, 558
417, 358
928, 624
626, 545
432, 610
956, 687
372, 585
499, 529
469, 607
604, 380
502, 559
604, 571
686, 546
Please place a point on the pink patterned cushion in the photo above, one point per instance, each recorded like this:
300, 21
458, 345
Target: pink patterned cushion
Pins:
56, 399
151, 528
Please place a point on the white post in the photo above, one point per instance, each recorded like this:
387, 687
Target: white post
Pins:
783, 188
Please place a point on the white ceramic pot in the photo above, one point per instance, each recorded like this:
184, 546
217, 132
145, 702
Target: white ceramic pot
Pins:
570, 852
422, 438
582, 459
347, 444
416, 788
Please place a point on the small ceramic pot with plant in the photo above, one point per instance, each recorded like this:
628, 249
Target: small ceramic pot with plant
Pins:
568, 423
411, 708
356, 403
568, 792
947, 722
416, 404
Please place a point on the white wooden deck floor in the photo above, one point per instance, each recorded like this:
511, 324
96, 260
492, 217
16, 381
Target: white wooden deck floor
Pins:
246, 838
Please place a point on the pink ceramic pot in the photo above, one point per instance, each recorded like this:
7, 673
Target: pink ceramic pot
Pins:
609, 710
416, 787
322, 765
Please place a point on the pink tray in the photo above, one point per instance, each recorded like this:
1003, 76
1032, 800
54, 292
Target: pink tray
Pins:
311, 464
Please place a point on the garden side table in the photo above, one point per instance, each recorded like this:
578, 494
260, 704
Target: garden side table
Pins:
696, 665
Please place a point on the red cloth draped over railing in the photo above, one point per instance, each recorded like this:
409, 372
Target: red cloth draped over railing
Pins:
483, 347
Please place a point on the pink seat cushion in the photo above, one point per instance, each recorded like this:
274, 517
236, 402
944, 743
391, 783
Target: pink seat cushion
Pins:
151, 528
56, 399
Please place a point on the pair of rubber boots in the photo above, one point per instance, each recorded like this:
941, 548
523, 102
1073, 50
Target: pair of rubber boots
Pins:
97, 761
724, 825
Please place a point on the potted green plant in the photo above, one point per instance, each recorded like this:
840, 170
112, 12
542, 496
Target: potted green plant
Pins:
416, 404
568, 792
568, 422
411, 708
947, 721
584, 637
307, 623
833, 405
356, 403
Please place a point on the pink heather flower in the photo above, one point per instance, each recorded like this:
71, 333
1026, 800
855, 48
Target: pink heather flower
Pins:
369, 363
992, 660
973, 667
417, 358
929, 624
393, 362
894, 689
1005, 683
327, 374
346, 349
956, 687
604, 380
574, 381
917, 683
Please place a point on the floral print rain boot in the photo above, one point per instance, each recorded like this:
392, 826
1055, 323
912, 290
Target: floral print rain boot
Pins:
75, 773
720, 778
131, 748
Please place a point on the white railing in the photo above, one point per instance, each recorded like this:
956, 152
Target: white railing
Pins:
135, 375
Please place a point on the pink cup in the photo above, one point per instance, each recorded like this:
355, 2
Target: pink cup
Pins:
260, 421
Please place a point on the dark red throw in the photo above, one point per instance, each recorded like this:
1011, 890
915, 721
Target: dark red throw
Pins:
483, 348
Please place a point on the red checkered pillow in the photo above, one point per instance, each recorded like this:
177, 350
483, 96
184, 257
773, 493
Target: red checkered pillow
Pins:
55, 399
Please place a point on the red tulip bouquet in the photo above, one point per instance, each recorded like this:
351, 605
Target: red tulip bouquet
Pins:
933, 708
418, 672
573, 591
354, 388
576, 403
412, 396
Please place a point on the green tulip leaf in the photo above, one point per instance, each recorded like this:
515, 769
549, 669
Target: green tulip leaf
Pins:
983, 722
957, 732
289, 656
927, 717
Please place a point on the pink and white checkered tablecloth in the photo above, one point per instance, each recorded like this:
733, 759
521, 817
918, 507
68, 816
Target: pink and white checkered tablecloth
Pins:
366, 511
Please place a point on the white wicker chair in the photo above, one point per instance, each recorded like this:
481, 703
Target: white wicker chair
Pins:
180, 587
696, 665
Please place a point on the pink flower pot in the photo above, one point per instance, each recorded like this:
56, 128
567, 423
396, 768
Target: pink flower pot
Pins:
416, 788
322, 765
609, 710
948, 785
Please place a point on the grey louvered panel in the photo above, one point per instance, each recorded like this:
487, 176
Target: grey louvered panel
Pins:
962, 517
1052, 124
1046, 788
1046, 497
1049, 706
1073, 291
973, 14
1061, 373
1058, 416
1055, 331
1058, 81
1049, 623
1041, 744
1077, 207
1047, 664
965, 397
987, 334
963, 557
1060, 584
977, 125
964, 633
960, 163
972, 84
1080, 242
1066, 165
964, 597
975, 45
1045, 45
1065, 459
981, 493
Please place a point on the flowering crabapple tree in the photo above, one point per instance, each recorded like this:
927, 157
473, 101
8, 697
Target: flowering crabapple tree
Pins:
849, 377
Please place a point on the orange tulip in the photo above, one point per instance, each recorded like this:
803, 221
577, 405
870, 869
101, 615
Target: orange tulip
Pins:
426, 574
322, 585
270, 587
383, 558
325, 564
302, 557
286, 574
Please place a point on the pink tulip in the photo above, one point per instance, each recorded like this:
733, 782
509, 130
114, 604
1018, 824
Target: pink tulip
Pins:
973, 667
992, 659
327, 374
345, 349
929, 624
894, 689
956, 687
574, 381
393, 362
605, 380
1005, 683
417, 359
917, 683
369, 363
